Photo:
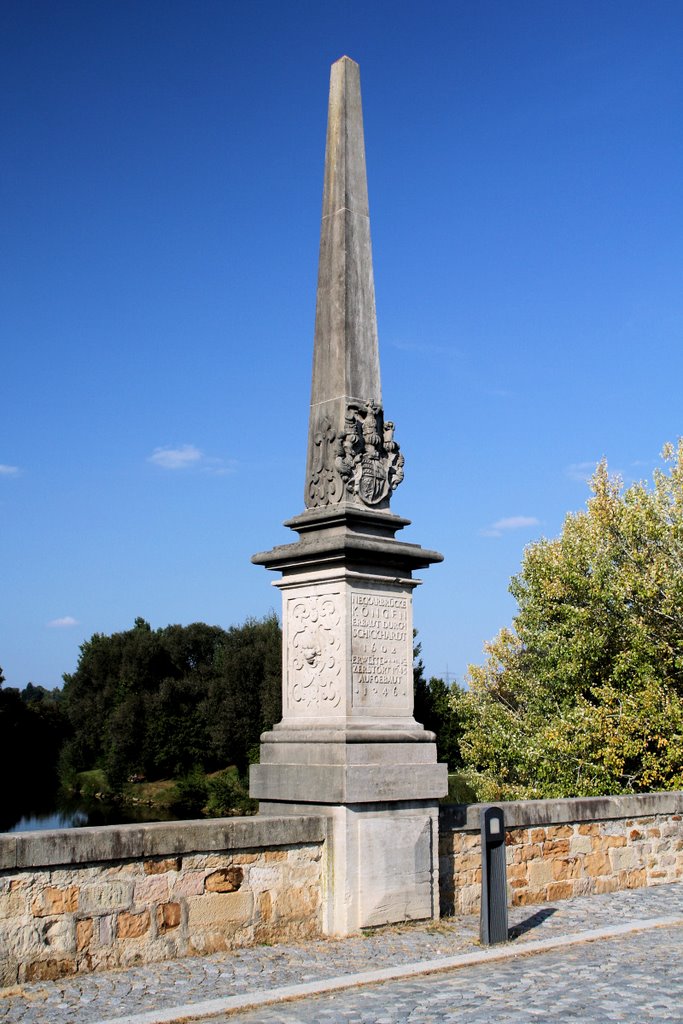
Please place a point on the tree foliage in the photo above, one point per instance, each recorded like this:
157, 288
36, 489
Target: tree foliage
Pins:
435, 709
156, 703
32, 730
584, 696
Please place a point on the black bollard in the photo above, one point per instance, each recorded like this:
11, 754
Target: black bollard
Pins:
493, 924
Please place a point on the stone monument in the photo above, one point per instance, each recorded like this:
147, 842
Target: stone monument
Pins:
348, 746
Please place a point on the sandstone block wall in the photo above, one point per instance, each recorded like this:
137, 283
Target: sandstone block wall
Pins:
562, 848
246, 885
85, 899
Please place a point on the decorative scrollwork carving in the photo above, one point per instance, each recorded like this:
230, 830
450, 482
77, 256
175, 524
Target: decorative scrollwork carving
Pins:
325, 486
315, 653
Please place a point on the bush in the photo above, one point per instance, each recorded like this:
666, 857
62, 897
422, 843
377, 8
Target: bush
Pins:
229, 794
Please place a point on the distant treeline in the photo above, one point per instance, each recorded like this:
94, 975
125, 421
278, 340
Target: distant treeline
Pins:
162, 703
33, 730
156, 703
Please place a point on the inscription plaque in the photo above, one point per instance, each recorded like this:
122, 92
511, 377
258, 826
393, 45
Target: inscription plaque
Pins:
381, 649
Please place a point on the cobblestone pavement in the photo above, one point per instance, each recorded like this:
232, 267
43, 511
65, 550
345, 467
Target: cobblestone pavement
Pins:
590, 970
635, 978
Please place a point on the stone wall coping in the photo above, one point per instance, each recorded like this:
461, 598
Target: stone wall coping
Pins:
525, 813
155, 839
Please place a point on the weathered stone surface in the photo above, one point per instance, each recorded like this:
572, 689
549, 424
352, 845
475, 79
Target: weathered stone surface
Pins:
397, 883
48, 970
9, 972
168, 916
189, 883
157, 867
528, 813
12, 904
219, 910
297, 902
21, 939
52, 901
84, 933
132, 926
231, 834
78, 845
580, 845
8, 852
59, 934
106, 896
224, 880
263, 877
107, 929
348, 784
152, 889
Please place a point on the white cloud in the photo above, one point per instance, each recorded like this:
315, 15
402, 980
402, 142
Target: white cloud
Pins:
516, 522
8, 470
188, 456
63, 623
581, 472
176, 458
219, 467
501, 526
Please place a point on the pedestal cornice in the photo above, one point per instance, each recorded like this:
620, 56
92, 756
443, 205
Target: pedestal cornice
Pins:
348, 538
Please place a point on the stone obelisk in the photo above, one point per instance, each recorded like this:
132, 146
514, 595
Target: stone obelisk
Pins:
348, 746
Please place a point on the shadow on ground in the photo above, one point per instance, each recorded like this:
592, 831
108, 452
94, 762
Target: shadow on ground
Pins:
531, 922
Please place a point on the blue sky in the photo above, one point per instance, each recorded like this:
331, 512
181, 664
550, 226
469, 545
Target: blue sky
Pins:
160, 188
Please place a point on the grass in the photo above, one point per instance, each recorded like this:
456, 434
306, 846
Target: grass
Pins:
162, 793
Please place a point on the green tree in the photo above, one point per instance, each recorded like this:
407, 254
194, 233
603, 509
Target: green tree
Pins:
584, 695
171, 701
136, 702
32, 730
434, 708
245, 695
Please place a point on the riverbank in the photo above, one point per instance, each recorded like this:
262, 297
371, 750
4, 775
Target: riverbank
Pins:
89, 800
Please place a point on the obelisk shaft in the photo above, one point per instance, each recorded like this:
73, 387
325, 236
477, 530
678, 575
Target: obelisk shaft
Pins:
346, 355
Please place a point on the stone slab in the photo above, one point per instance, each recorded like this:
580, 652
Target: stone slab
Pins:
526, 813
79, 845
348, 784
131, 842
318, 753
395, 870
231, 834
8, 851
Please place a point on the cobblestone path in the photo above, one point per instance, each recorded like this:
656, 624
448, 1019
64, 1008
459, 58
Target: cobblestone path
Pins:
636, 979
652, 964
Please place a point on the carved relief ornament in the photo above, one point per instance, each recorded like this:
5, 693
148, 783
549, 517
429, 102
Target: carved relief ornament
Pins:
363, 460
315, 653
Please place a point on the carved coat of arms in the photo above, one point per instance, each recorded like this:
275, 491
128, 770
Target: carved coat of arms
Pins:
362, 460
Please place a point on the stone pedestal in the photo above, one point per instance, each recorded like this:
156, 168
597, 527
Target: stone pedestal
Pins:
348, 745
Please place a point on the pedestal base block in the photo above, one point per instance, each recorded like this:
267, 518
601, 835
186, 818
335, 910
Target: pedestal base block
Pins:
382, 862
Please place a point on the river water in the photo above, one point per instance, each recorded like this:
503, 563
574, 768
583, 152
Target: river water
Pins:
56, 812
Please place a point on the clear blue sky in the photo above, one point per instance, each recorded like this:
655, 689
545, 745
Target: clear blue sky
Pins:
161, 184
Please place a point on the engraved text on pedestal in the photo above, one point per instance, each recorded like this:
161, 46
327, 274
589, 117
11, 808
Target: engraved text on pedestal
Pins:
381, 649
